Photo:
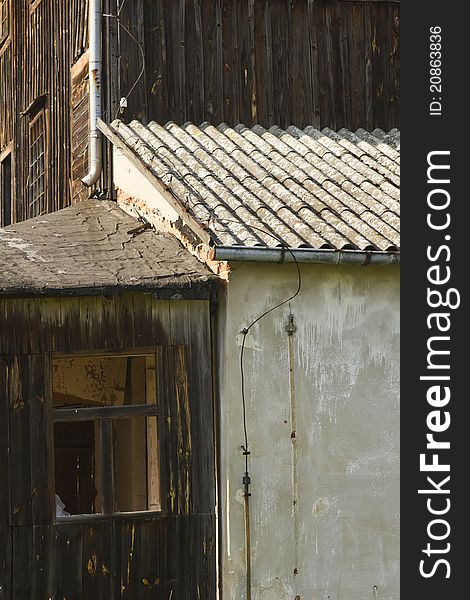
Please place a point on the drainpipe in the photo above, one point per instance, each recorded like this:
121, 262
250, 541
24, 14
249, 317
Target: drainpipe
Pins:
95, 160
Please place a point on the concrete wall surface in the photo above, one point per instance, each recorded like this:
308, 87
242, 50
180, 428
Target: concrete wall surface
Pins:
323, 427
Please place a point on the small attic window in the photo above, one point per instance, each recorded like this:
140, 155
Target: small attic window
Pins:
37, 166
106, 442
4, 20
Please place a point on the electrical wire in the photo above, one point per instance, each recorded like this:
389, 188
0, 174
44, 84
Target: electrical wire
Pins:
141, 50
120, 7
242, 351
142, 70
246, 452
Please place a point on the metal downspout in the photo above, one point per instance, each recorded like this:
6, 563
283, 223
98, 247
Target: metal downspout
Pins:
95, 159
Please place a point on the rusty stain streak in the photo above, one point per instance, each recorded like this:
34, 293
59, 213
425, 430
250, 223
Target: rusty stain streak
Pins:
91, 566
95, 77
131, 553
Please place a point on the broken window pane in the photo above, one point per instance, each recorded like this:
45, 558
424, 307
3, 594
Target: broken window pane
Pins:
106, 450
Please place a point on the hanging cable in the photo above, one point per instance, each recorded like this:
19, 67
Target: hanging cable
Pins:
123, 100
142, 69
246, 451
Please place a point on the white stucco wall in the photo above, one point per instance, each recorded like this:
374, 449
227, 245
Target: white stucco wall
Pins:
342, 534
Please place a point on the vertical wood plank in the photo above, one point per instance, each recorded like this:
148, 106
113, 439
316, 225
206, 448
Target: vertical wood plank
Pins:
41, 442
368, 41
131, 585
5, 514
270, 108
23, 574
357, 62
199, 368
20, 449
394, 92
151, 576
97, 557
5, 562
156, 61
380, 64
68, 561
42, 572
199, 70
345, 65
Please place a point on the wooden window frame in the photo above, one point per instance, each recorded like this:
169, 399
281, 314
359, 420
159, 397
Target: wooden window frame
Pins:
5, 9
5, 154
42, 113
104, 416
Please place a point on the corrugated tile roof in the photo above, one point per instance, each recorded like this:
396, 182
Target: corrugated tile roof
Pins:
301, 187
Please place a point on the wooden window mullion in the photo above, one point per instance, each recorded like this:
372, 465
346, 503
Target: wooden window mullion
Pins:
107, 466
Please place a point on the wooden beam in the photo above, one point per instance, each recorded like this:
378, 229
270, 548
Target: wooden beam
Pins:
72, 415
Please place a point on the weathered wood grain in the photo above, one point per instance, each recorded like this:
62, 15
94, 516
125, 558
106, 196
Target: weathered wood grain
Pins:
5, 514
134, 556
331, 63
5, 562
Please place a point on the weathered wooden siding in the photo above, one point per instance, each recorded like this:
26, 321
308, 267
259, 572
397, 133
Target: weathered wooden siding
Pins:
328, 63
47, 38
133, 557
79, 126
79, 29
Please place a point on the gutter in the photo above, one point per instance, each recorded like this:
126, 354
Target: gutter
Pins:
95, 159
304, 255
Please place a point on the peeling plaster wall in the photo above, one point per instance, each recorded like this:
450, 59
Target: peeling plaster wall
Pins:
342, 466
140, 196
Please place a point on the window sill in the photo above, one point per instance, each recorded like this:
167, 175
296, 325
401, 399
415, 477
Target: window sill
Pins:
123, 516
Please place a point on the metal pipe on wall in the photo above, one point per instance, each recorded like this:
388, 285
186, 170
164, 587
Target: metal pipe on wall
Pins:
304, 255
95, 159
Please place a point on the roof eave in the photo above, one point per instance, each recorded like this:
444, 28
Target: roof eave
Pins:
195, 290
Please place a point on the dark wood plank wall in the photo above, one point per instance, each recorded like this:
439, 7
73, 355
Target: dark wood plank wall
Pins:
137, 557
47, 38
328, 63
